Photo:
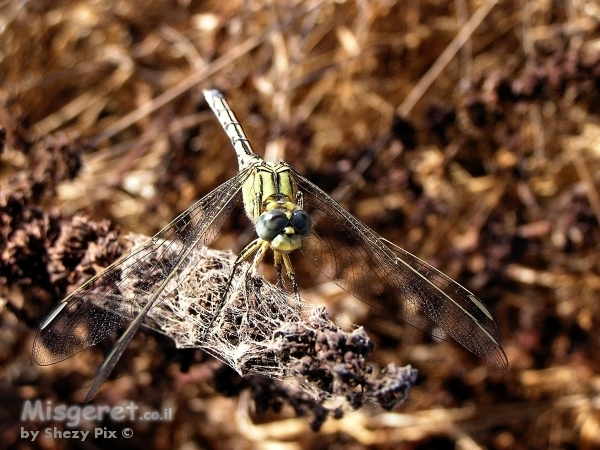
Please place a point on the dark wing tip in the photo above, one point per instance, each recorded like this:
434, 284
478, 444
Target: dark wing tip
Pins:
43, 357
497, 358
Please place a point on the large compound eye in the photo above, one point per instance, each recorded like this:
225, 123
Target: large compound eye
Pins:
301, 223
270, 224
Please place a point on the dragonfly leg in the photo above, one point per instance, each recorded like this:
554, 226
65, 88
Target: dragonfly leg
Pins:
292, 276
259, 246
277, 265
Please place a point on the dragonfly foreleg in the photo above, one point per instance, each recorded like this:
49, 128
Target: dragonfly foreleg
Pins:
277, 265
292, 276
259, 246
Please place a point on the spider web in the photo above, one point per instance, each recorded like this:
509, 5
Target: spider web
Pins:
260, 329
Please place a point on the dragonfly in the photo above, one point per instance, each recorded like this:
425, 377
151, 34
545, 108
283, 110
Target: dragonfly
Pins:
290, 214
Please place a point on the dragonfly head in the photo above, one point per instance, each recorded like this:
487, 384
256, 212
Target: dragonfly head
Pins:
284, 228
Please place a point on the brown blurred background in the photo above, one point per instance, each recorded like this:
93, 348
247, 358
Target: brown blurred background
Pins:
467, 132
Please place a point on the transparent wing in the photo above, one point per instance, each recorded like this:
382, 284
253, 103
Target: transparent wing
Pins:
394, 281
118, 294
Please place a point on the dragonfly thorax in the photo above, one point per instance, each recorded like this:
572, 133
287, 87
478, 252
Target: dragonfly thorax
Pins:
269, 186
